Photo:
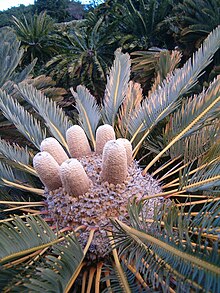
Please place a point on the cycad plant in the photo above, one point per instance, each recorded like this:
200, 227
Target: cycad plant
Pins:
113, 226
86, 55
38, 38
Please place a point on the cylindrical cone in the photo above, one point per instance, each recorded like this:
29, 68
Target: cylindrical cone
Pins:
53, 147
77, 142
74, 178
104, 133
48, 170
114, 163
128, 147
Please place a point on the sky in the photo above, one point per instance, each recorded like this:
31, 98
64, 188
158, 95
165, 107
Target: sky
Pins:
5, 4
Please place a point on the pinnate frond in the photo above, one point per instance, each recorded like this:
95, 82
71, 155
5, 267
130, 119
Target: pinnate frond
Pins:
197, 145
163, 101
129, 107
25, 122
61, 266
192, 116
89, 112
55, 118
20, 237
116, 88
16, 179
10, 54
206, 178
17, 156
171, 248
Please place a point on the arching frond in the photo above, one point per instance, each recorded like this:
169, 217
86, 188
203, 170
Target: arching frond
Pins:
16, 179
116, 88
18, 156
23, 242
163, 101
28, 125
197, 144
89, 112
53, 115
61, 268
10, 54
21, 237
206, 178
176, 247
193, 113
129, 107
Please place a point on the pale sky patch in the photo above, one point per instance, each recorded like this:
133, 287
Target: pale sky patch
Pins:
5, 4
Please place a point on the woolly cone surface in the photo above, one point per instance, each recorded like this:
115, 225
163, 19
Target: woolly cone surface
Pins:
53, 147
77, 142
78, 202
48, 170
102, 201
114, 162
128, 147
74, 179
104, 133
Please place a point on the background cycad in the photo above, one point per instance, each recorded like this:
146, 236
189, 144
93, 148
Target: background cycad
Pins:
146, 252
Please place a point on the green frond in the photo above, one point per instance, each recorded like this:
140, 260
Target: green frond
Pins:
192, 115
197, 144
89, 112
206, 178
55, 118
164, 100
61, 268
16, 179
61, 265
18, 156
214, 150
21, 237
176, 247
130, 274
129, 107
25, 122
10, 54
116, 88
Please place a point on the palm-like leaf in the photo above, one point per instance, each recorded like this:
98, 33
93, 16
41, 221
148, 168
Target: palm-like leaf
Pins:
116, 88
192, 114
20, 237
58, 273
36, 37
25, 122
129, 107
14, 178
53, 115
85, 55
10, 58
173, 88
167, 247
89, 112
153, 65
206, 178
32, 237
17, 155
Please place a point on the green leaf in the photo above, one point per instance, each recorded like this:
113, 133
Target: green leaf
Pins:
163, 101
89, 112
116, 88
174, 248
193, 113
18, 156
53, 115
25, 122
16, 179
20, 237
